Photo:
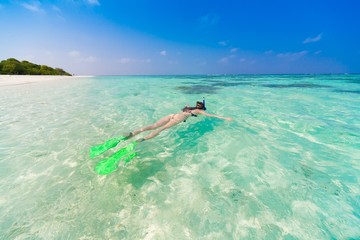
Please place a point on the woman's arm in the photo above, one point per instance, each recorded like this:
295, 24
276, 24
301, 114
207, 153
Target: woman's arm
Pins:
213, 115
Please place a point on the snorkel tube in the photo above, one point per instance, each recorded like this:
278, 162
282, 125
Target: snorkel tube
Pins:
204, 103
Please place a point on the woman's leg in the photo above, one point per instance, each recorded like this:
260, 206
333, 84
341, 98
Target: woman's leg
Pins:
158, 124
159, 130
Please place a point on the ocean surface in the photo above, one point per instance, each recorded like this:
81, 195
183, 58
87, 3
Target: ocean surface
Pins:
287, 167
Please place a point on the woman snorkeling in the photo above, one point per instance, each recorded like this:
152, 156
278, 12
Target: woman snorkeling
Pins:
110, 164
174, 119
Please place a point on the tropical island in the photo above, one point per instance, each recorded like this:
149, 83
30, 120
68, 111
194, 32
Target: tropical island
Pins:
12, 66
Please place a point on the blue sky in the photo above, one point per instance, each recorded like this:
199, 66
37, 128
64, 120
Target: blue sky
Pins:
98, 37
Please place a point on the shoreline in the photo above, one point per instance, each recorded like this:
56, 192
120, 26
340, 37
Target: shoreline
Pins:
11, 80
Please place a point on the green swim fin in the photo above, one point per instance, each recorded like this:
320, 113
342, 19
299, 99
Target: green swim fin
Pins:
99, 149
110, 164
129, 157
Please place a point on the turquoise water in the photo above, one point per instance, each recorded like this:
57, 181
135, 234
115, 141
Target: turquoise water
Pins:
287, 167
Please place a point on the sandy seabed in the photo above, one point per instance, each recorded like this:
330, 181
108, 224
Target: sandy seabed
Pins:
281, 170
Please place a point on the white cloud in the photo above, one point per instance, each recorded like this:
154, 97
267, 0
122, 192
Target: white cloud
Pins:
93, 2
317, 52
74, 54
233, 50
292, 55
77, 56
127, 60
223, 43
269, 52
90, 59
50, 53
163, 53
33, 7
56, 8
224, 60
313, 39
208, 20
173, 62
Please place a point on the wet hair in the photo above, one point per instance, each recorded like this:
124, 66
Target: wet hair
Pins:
200, 104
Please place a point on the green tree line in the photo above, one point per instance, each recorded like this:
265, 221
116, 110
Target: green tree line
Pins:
12, 66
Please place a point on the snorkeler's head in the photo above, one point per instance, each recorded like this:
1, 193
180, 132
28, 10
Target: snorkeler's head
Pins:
200, 105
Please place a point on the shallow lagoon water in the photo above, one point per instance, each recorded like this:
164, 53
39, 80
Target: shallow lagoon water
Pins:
287, 167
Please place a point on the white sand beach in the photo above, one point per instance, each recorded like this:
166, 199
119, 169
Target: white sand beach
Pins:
10, 80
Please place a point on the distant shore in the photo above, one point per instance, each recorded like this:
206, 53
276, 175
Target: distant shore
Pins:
10, 80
